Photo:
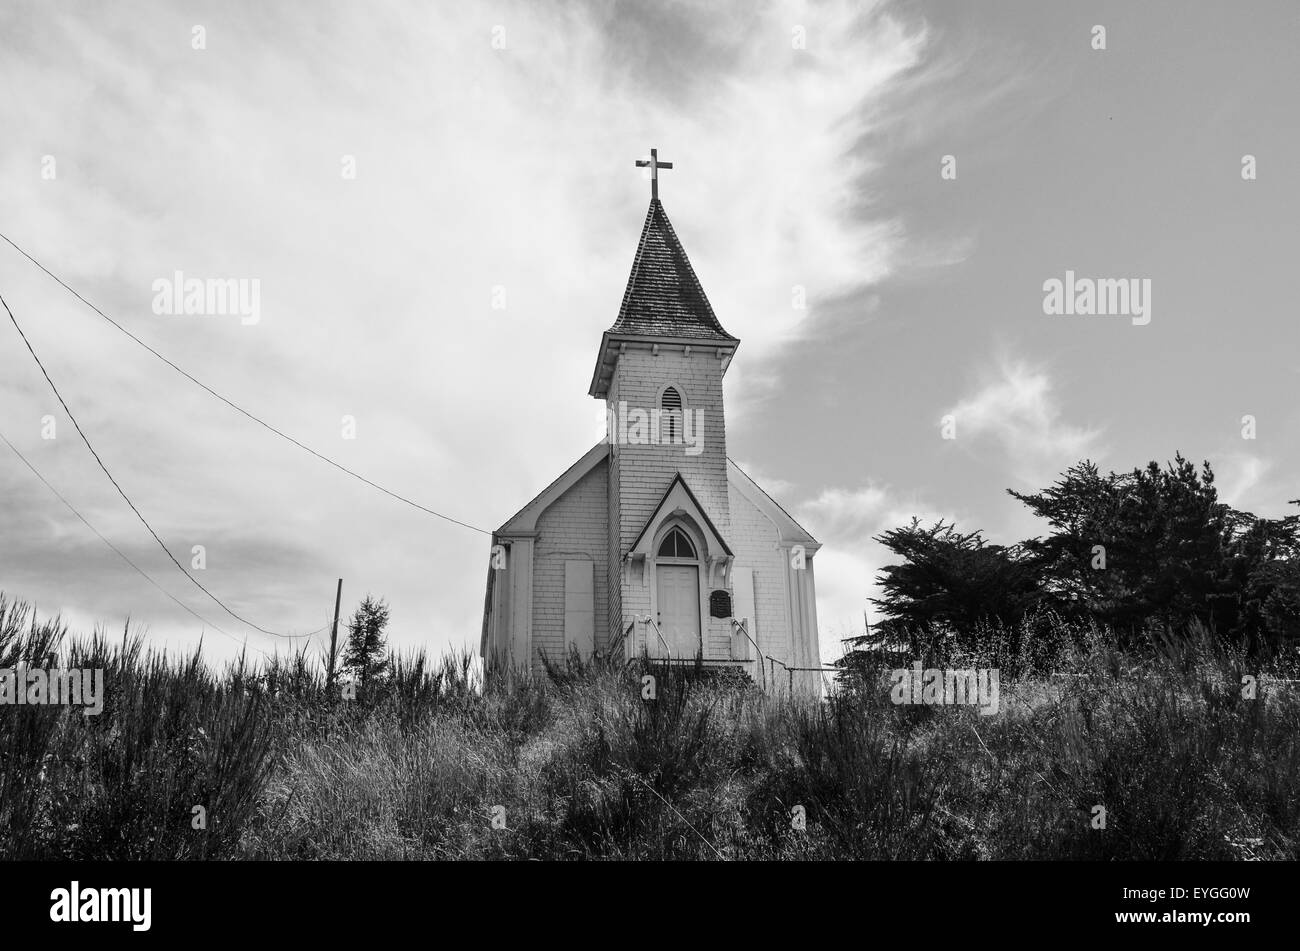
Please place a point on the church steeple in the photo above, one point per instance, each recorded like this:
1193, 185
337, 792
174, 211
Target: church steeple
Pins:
660, 372
663, 303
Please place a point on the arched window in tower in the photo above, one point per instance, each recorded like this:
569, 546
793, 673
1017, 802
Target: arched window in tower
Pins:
671, 418
676, 544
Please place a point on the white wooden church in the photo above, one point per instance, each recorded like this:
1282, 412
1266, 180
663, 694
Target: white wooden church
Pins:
655, 541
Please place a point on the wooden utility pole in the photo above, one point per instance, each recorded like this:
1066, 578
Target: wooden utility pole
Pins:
334, 635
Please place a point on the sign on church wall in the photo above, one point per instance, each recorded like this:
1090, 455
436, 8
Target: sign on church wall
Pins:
720, 604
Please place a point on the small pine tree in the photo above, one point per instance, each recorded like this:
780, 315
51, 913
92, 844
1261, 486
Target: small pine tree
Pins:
366, 655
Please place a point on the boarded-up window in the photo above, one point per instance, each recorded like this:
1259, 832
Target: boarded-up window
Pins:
742, 581
579, 608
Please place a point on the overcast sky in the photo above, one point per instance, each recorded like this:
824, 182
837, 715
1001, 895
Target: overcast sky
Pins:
493, 147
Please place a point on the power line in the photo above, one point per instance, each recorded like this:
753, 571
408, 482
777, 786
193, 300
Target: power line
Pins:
143, 520
236, 406
147, 577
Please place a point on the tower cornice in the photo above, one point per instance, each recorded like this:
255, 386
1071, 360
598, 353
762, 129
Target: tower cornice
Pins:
612, 344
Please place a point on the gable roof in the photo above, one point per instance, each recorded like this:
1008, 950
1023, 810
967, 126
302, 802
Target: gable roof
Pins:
663, 295
524, 522
787, 528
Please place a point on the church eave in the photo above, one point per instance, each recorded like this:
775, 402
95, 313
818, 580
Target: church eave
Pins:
790, 530
523, 524
612, 341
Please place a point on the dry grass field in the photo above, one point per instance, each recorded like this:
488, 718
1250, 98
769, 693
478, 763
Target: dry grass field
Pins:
439, 763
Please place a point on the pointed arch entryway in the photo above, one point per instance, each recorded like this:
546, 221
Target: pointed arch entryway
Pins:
679, 557
678, 586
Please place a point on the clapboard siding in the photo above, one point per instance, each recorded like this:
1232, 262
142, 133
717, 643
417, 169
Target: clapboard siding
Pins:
573, 527
754, 539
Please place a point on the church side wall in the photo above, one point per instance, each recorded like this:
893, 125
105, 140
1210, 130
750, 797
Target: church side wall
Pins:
575, 527
754, 538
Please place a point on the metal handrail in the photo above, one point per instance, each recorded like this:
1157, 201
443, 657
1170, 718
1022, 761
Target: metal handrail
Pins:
791, 670
788, 667
651, 621
761, 658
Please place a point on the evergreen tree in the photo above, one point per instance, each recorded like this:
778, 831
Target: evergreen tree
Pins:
1155, 550
954, 584
1151, 551
1139, 550
366, 655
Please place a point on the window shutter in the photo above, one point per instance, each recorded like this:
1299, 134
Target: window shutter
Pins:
672, 416
742, 582
579, 607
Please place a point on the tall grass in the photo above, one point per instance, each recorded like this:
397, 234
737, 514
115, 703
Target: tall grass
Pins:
441, 762
123, 784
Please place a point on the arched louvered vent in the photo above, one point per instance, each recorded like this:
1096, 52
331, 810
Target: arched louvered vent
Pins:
676, 544
671, 404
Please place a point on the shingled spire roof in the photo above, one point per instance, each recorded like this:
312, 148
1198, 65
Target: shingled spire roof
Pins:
663, 296
664, 304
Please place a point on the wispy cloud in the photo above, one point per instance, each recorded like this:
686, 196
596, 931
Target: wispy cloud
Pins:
1239, 474
1020, 411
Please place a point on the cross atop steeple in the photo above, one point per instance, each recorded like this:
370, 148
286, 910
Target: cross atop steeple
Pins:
654, 165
